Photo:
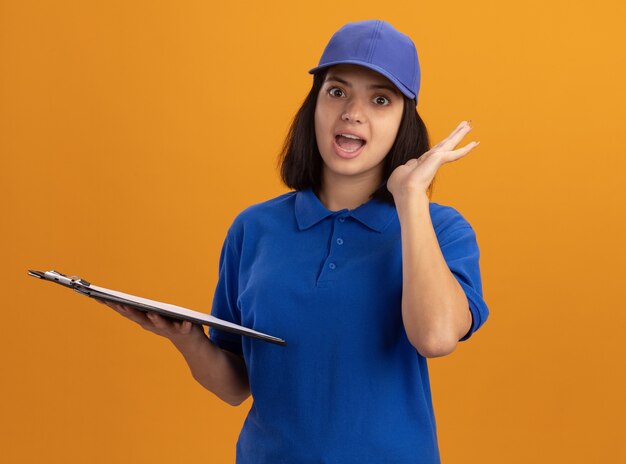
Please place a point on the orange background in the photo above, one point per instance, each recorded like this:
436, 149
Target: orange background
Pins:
132, 133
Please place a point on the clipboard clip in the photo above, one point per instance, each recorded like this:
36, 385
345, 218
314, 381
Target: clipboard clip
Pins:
59, 277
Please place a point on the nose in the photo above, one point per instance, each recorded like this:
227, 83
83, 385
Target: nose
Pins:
353, 111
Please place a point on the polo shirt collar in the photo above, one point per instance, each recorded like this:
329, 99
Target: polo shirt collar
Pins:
375, 214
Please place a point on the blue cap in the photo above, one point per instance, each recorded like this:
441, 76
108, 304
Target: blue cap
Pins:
377, 45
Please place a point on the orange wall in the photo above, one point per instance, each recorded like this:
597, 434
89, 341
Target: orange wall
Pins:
132, 133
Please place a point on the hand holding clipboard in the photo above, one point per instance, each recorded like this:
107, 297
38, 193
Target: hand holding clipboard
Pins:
116, 298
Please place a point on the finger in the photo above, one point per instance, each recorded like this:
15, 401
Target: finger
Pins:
133, 314
158, 321
185, 327
130, 310
461, 125
455, 136
459, 153
112, 305
117, 308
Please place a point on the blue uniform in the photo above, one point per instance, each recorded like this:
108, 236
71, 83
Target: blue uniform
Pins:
349, 387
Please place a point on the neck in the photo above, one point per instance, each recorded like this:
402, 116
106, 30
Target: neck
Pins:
339, 192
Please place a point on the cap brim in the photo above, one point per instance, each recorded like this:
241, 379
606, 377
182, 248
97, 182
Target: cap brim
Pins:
405, 90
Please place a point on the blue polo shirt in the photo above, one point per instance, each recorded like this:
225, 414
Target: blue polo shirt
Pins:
348, 387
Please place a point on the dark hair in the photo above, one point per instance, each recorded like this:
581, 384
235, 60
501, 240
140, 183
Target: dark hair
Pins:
300, 162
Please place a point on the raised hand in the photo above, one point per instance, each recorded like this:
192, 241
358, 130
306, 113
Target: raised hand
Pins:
415, 175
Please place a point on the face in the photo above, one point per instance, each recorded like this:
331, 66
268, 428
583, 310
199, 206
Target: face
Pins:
356, 100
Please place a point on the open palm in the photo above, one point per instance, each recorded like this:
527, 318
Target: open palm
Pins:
417, 173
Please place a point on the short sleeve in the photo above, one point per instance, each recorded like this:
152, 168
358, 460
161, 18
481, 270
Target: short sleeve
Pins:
225, 297
460, 250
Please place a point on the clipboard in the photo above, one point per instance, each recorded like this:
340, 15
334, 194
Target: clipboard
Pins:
143, 304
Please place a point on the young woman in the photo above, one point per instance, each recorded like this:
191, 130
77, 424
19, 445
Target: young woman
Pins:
355, 268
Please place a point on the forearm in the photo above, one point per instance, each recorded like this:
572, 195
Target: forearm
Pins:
219, 371
435, 310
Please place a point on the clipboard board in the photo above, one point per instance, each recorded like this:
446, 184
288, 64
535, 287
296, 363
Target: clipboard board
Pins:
143, 304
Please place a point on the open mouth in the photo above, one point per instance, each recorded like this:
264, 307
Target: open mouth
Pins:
349, 143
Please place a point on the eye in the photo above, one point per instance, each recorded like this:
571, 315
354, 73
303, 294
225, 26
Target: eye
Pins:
377, 98
385, 98
330, 91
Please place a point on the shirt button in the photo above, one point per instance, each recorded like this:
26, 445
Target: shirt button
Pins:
341, 219
340, 241
332, 265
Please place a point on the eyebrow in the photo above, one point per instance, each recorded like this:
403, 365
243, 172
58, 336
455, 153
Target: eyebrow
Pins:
372, 86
